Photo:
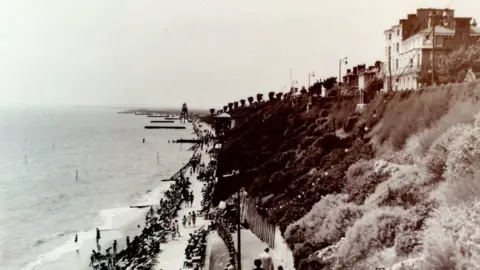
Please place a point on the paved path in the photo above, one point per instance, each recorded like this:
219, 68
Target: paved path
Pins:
172, 254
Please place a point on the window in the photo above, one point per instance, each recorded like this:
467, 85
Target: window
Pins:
418, 60
389, 36
398, 32
411, 62
389, 50
396, 63
398, 47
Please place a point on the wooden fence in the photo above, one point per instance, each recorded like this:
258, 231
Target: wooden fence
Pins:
257, 223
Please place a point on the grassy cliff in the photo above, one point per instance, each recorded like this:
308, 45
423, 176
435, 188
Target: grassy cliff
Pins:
395, 184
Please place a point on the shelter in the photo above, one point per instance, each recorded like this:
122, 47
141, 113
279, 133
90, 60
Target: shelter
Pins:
223, 123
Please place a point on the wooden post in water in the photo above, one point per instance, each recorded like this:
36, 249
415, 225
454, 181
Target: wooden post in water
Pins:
76, 175
158, 158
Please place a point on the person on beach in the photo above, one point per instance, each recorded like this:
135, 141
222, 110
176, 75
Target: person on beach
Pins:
92, 258
194, 218
76, 238
98, 235
184, 221
189, 219
128, 241
115, 247
151, 211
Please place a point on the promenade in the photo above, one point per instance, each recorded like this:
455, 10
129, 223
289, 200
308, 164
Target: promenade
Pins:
172, 254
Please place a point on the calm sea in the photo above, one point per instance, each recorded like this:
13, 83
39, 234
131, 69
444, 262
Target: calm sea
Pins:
43, 205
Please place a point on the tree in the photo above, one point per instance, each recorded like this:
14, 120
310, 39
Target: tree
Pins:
303, 91
242, 101
279, 95
329, 83
460, 60
259, 97
235, 104
316, 89
225, 108
271, 96
250, 100
212, 111
373, 86
230, 106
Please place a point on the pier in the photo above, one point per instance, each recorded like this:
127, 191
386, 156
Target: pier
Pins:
165, 127
162, 121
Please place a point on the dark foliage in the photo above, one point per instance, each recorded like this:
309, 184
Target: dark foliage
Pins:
329, 83
242, 102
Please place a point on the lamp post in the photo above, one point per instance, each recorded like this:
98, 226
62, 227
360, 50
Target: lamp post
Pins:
436, 18
310, 75
340, 70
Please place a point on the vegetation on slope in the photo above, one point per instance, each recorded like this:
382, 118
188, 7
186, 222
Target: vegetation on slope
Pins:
396, 184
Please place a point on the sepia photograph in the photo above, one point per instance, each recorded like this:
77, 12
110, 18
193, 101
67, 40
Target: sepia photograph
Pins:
239, 135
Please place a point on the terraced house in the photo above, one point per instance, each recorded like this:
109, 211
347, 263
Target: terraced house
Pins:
409, 44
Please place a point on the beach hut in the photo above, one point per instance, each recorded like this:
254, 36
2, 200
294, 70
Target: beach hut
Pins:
223, 122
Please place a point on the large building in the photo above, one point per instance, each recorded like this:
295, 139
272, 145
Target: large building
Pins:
408, 45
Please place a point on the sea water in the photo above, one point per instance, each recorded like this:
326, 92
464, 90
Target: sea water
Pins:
43, 204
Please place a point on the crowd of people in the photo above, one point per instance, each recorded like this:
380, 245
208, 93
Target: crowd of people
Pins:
196, 249
160, 222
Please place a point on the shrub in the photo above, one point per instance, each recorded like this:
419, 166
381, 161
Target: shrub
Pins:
451, 239
312, 263
361, 180
437, 154
402, 189
464, 155
375, 230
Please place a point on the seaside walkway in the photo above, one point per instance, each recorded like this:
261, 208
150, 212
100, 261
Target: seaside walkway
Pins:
172, 254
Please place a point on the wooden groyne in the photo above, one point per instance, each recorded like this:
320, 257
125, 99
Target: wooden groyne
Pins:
172, 118
162, 121
165, 127
188, 141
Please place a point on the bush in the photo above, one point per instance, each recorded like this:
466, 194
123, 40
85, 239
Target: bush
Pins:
404, 188
361, 180
312, 263
375, 230
451, 239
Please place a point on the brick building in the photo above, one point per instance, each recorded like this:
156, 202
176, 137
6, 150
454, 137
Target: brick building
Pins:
409, 44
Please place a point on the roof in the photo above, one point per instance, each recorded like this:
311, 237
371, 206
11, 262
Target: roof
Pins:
223, 115
439, 30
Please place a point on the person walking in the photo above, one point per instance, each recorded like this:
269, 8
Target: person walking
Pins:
194, 218
76, 238
191, 199
177, 228
266, 259
184, 221
258, 264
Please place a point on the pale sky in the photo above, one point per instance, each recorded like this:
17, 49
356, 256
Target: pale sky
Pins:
203, 52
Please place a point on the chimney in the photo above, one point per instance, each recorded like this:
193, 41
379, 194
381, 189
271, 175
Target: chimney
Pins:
462, 25
411, 17
349, 70
355, 70
474, 23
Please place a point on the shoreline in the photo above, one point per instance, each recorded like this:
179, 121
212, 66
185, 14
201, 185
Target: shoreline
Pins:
116, 224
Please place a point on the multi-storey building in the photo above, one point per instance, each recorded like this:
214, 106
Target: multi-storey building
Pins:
409, 47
